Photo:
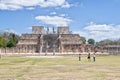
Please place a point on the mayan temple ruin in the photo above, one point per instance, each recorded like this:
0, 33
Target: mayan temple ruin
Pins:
40, 40
51, 40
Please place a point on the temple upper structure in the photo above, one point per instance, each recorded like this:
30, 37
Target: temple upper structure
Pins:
37, 30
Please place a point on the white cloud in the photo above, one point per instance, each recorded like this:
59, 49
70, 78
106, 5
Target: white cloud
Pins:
11, 31
19, 4
53, 13
66, 5
30, 8
99, 27
9, 7
100, 31
29, 28
62, 15
54, 20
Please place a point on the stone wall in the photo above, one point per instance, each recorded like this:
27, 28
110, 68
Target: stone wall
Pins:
112, 49
18, 50
29, 36
63, 30
71, 39
38, 30
28, 39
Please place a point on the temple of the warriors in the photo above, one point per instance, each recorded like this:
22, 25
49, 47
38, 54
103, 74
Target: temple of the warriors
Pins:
45, 39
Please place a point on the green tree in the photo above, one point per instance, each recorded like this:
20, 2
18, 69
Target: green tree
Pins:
11, 43
105, 42
91, 41
83, 39
14, 37
9, 39
5, 36
1, 41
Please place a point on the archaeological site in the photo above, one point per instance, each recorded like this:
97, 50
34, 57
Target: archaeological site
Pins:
49, 40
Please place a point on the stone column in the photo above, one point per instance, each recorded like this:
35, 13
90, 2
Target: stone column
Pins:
62, 48
53, 48
46, 49
25, 50
19, 50
59, 37
32, 50
0, 53
0, 50
5, 50
12, 50
41, 43
53, 52
46, 52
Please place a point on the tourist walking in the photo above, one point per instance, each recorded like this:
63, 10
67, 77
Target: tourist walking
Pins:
79, 57
94, 57
89, 57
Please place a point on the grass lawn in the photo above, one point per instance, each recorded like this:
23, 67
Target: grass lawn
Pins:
63, 68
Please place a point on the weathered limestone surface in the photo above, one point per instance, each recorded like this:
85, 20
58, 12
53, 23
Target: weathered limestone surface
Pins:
112, 49
38, 30
63, 30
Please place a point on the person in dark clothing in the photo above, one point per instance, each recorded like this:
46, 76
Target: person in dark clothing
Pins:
79, 57
89, 57
94, 57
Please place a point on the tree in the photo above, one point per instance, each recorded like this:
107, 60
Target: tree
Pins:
1, 41
9, 39
105, 42
91, 41
11, 43
14, 37
5, 36
108, 42
83, 40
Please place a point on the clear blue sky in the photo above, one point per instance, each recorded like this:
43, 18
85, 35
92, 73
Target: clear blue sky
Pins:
98, 19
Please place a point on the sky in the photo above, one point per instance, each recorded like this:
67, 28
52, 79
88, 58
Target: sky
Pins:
97, 19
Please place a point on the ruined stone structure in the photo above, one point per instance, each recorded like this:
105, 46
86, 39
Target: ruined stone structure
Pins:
112, 49
45, 39
39, 41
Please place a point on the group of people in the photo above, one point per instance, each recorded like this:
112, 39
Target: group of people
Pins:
88, 57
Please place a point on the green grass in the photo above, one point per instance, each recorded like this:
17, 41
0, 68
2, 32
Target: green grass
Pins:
64, 68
